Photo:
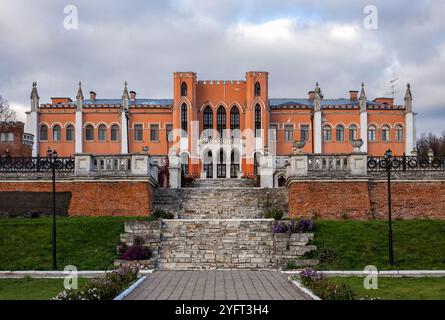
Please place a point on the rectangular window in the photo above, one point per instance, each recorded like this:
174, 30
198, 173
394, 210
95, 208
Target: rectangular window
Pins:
154, 132
273, 129
304, 132
169, 132
138, 132
288, 132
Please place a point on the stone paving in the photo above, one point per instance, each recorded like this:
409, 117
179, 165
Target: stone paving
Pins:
217, 285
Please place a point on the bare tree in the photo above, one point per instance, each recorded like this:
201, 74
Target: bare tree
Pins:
431, 141
6, 113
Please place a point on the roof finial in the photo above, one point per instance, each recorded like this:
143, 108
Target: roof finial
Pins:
125, 95
79, 91
362, 92
318, 93
34, 93
408, 95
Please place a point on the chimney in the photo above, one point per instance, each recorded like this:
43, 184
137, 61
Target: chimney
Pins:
353, 94
92, 95
311, 95
132, 95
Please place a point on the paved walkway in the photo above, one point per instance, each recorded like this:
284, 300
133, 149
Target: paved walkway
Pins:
217, 285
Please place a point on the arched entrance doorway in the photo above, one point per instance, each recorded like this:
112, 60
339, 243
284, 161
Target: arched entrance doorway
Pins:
208, 164
221, 165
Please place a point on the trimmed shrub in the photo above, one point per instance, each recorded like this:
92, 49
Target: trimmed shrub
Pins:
135, 252
162, 214
275, 213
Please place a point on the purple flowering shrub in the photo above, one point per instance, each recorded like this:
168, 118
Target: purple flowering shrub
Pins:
294, 226
135, 252
105, 288
324, 288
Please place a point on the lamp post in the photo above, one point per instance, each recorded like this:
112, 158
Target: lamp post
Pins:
388, 165
52, 154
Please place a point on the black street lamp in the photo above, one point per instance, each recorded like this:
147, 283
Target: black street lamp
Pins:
388, 165
52, 154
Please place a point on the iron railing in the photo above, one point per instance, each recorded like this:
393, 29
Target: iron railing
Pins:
406, 163
332, 162
35, 164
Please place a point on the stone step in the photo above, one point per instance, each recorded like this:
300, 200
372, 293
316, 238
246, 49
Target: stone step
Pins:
221, 182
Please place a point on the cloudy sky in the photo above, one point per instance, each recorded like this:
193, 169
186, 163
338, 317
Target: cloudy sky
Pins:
298, 42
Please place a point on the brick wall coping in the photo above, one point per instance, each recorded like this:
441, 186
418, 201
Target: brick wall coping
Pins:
215, 220
383, 273
393, 179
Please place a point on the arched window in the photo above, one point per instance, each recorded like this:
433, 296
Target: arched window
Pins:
257, 121
183, 89
399, 133
327, 133
208, 164
256, 164
102, 132
340, 133
257, 89
185, 162
353, 133
234, 164
184, 121
208, 122
221, 121
221, 165
43, 133
234, 122
372, 133
69, 133
57, 133
89, 133
114, 132
385, 133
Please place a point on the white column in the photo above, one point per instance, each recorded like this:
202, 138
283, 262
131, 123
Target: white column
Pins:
410, 136
124, 133
364, 131
79, 132
317, 132
32, 125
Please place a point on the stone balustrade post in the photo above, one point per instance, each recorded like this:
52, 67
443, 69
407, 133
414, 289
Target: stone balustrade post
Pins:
82, 164
266, 171
140, 164
298, 165
174, 169
358, 164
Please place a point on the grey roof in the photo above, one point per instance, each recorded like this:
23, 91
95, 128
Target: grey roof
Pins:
283, 102
162, 102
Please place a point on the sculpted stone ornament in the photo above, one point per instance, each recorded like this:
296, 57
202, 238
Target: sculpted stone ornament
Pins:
298, 147
356, 145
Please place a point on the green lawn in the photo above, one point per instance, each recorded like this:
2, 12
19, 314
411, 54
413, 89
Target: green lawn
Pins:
352, 245
399, 288
87, 243
31, 289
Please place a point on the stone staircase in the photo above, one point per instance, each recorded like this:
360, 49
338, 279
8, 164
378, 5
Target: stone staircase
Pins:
219, 225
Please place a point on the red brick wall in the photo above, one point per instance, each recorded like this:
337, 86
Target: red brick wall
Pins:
363, 200
96, 198
329, 200
14, 148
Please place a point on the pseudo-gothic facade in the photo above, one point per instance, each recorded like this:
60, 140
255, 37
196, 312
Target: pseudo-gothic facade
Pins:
220, 128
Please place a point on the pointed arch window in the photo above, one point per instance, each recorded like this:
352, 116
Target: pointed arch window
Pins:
257, 89
385, 134
399, 133
257, 121
184, 120
69, 133
57, 133
234, 122
208, 122
221, 165
183, 89
221, 121
89, 133
102, 132
340, 133
43, 132
114, 132
353, 133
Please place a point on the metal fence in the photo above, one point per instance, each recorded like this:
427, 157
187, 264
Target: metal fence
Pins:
35, 164
406, 163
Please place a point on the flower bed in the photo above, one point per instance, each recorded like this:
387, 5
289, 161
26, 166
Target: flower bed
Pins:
105, 288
